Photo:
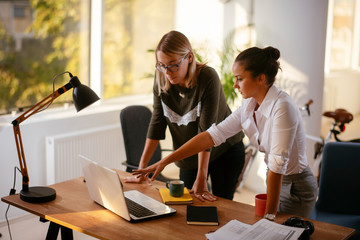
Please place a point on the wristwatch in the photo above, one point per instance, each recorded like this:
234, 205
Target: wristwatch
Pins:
270, 216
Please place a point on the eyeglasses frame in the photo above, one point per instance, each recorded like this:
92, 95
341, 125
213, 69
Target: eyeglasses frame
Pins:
172, 65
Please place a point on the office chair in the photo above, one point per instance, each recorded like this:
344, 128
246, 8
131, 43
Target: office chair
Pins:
135, 121
339, 192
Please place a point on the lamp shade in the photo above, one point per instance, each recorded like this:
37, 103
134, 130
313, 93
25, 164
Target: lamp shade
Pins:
83, 96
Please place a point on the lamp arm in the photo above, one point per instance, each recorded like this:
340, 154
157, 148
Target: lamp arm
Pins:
16, 127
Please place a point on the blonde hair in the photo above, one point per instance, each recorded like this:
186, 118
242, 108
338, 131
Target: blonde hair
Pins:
175, 42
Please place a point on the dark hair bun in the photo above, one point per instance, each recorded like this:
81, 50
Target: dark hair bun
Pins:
274, 53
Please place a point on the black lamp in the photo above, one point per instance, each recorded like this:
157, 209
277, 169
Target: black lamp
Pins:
83, 96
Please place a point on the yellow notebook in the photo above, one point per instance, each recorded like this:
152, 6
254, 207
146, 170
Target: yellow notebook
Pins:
168, 199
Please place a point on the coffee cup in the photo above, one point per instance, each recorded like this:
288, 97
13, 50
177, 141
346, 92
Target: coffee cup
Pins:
176, 187
260, 204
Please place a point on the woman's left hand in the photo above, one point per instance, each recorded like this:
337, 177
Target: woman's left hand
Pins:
201, 191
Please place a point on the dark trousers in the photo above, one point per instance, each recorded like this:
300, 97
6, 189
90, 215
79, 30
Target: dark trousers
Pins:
224, 172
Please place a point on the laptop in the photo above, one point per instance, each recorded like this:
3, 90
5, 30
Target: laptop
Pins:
105, 188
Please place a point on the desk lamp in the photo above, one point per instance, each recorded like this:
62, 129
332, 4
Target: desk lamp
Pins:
83, 96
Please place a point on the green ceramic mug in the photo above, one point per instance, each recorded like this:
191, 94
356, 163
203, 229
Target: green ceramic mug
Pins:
176, 187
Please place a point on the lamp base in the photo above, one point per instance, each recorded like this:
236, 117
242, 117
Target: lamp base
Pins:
38, 195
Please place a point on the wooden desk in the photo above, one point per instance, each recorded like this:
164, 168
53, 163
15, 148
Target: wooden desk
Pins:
74, 209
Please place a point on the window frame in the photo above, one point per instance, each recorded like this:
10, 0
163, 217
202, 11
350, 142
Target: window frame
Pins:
354, 64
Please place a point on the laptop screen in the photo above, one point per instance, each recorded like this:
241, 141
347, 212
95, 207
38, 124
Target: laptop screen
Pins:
106, 189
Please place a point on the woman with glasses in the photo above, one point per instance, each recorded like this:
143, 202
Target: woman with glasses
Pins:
188, 98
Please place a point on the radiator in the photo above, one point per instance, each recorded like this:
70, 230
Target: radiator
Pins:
103, 145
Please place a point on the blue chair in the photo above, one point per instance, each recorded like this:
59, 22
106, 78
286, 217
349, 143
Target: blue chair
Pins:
339, 188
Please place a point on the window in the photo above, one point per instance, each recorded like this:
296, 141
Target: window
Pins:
57, 43
19, 12
344, 32
131, 29
60, 42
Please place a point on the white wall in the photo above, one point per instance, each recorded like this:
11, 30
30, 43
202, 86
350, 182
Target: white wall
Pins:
298, 29
342, 90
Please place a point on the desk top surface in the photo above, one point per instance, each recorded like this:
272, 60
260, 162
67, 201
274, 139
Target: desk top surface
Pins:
73, 208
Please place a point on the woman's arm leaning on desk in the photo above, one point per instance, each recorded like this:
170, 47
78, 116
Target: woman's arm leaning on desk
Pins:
199, 143
273, 191
200, 188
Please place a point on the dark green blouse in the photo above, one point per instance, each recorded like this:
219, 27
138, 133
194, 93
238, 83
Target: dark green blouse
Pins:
189, 111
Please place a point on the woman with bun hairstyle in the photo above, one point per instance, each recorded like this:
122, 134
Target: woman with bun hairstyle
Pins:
273, 123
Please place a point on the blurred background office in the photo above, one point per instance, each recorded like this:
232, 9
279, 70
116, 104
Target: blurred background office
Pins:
108, 44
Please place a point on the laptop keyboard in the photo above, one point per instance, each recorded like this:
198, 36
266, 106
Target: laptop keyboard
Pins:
137, 210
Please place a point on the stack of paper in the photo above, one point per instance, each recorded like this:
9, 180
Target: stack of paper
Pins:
261, 230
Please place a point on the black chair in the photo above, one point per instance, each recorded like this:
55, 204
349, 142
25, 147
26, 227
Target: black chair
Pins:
135, 121
339, 192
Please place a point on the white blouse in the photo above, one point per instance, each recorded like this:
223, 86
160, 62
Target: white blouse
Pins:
279, 132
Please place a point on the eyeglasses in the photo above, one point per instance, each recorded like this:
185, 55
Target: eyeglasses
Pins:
171, 68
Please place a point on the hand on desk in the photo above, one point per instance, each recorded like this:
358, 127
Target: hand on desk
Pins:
156, 168
201, 191
137, 180
199, 188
